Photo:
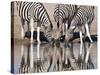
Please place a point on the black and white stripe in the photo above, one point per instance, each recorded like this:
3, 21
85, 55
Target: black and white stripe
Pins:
28, 10
83, 18
41, 14
35, 11
44, 66
63, 14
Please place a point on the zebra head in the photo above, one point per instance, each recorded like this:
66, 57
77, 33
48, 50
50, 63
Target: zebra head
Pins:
70, 31
68, 36
57, 34
56, 20
53, 36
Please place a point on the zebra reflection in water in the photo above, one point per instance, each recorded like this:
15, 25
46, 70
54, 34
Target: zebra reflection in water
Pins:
54, 57
86, 61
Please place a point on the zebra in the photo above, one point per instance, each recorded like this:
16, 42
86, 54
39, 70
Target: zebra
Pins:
83, 18
63, 15
42, 65
33, 12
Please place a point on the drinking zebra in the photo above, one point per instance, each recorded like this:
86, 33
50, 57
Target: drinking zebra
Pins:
83, 18
63, 15
33, 12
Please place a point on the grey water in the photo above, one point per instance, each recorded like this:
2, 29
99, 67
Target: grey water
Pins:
32, 58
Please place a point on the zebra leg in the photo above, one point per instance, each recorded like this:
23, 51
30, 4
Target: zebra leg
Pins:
88, 33
63, 54
22, 49
81, 45
22, 29
22, 33
88, 52
66, 55
28, 26
31, 56
66, 26
80, 52
63, 28
38, 51
32, 29
38, 34
22, 57
31, 46
87, 55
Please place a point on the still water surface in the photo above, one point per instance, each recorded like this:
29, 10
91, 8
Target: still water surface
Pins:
32, 58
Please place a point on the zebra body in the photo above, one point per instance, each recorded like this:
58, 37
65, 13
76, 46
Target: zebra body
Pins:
63, 15
35, 11
85, 14
83, 18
